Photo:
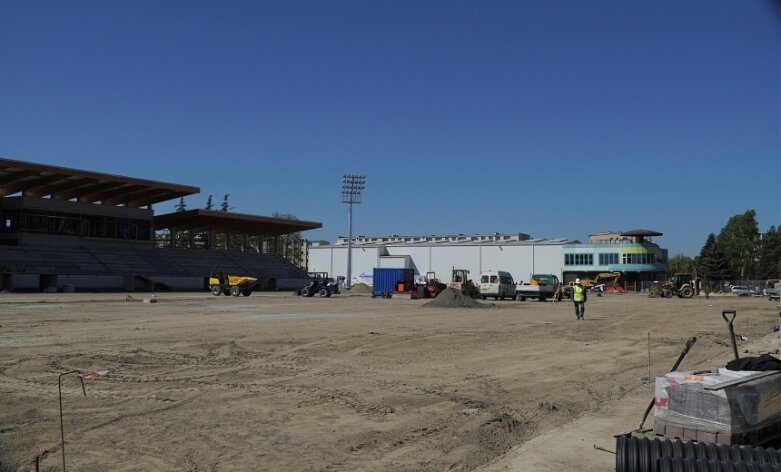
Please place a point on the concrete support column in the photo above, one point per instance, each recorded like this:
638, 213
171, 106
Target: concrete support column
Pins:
227, 240
191, 237
244, 240
211, 239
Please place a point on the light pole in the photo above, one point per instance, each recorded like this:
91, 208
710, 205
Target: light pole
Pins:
352, 186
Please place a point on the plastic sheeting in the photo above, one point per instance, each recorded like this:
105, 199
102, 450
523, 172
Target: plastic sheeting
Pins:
748, 405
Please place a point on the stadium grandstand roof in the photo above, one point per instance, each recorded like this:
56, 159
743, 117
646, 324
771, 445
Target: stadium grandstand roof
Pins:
209, 220
62, 183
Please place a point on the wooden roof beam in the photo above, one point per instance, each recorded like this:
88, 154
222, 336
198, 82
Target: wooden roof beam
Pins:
153, 197
13, 187
69, 189
15, 177
42, 186
24, 185
120, 198
105, 191
75, 192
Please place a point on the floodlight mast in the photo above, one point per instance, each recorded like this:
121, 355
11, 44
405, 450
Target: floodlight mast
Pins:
352, 186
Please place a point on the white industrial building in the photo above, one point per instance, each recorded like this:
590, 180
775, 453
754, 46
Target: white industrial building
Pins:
516, 254
632, 253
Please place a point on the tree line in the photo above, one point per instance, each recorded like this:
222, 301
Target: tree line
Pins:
738, 252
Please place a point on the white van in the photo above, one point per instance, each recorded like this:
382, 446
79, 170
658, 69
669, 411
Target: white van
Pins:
496, 283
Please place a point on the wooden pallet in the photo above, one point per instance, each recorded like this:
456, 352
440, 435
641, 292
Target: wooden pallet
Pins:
690, 432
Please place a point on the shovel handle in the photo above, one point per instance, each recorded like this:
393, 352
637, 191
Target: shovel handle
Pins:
689, 344
724, 314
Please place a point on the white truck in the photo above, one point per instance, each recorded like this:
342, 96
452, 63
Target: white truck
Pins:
540, 286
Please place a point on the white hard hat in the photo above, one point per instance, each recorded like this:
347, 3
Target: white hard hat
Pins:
577, 281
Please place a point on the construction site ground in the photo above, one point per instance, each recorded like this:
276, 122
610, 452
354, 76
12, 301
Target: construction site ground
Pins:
284, 383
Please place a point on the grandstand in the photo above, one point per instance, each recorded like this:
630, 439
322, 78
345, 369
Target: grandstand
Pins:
67, 229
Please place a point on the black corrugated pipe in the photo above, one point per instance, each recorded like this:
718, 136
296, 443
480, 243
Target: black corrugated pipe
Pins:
643, 455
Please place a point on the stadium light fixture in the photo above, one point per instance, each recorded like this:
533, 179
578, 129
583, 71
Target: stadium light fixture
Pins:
352, 187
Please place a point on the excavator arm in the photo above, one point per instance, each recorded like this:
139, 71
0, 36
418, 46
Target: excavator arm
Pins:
605, 277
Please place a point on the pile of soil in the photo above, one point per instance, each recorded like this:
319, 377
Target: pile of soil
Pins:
451, 298
360, 288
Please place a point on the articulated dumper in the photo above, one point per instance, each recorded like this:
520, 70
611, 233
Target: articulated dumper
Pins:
223, 284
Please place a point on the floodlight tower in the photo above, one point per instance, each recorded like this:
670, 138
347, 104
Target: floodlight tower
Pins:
352, 186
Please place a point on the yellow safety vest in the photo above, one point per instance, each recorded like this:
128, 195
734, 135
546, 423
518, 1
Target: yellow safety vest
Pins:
580, 295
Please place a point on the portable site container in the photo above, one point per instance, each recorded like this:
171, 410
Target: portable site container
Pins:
387, 279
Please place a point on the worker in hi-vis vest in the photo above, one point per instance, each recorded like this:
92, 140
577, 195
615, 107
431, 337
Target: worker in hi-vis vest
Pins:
579, 298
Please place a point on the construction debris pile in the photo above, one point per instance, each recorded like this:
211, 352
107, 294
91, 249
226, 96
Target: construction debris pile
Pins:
452, 298
361, 288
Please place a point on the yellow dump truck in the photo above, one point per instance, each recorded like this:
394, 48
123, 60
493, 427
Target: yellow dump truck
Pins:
223, 284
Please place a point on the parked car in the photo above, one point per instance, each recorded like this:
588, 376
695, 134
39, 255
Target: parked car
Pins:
741, 291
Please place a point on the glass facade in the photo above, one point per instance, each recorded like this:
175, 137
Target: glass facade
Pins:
58, 223
638, 259
608, 258
578, 259
627, 256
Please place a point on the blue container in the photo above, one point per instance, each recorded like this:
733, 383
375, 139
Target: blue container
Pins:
385, 280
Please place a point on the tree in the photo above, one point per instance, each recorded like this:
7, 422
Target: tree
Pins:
209, 203
680, 264
224, 206
738, 241
711, 263
769, 262
181, 206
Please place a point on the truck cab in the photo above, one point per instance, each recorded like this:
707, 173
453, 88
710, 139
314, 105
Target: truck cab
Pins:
496, 283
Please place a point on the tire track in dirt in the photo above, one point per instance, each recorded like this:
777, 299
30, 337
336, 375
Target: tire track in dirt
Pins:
414, 390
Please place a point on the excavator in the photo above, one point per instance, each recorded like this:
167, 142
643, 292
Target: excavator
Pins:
601, 281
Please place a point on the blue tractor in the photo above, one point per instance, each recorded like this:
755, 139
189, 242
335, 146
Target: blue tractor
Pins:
320, 284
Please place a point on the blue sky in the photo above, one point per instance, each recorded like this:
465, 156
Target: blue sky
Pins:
552, 118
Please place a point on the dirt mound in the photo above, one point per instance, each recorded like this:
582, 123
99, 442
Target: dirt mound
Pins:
360, 288
450, 298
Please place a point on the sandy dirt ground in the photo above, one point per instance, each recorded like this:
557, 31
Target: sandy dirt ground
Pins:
283, 383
